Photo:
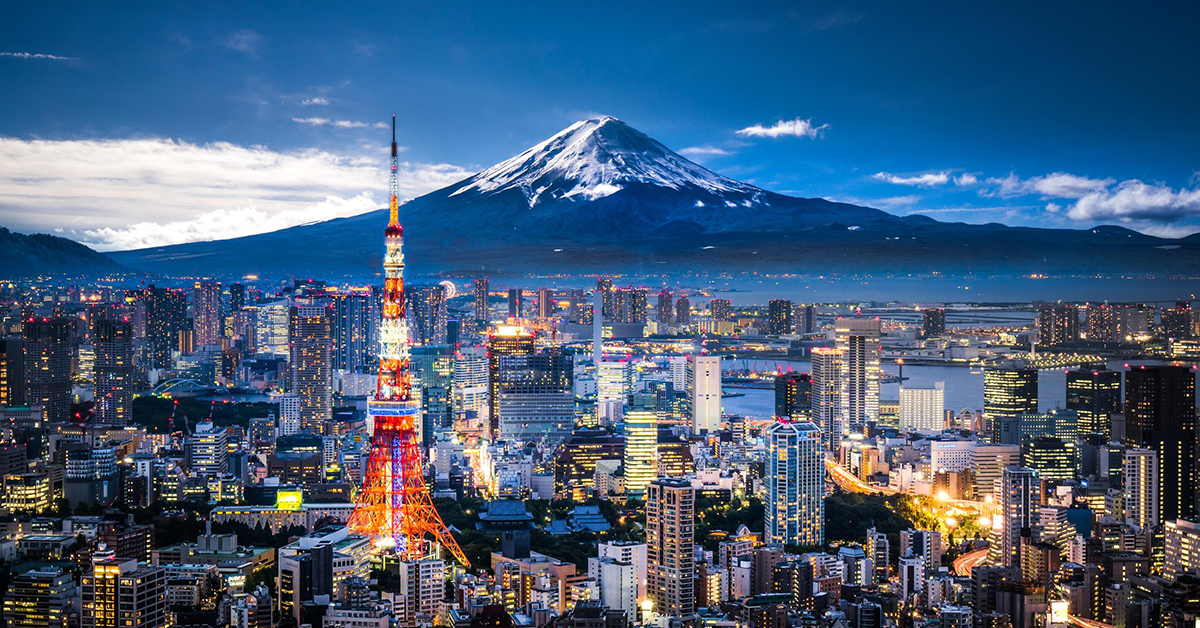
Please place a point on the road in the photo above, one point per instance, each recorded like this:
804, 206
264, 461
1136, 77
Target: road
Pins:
965, 563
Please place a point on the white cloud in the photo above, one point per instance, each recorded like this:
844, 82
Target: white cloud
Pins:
245, 41
36, 55
341, 124
704, 151
929, 179
316, 100
892, 202
119, 194
785, 128
1135, 200
1053, 185
966, 179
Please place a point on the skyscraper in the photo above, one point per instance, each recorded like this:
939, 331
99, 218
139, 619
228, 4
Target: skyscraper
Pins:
670, 525
641, 444
545, 302
666, 308
795, 481
433, 371
827, 394
1008, 391
166, 317
793, 395
805, 318
922, 409
208, 450
683, 312
614, 383
237, 296
48, 365
470, 382
1101, 323
608, 297
535, 396
636, 302
516, 297
1019, 499
779, 317
206, 312
1160, 414
722, 310
859, 339
507, 341
1141, 476
704, 392
309, 364
12, 371
113, 340
481, 299
933, 322
427, 314
1095, 394
1058, 323
353, 329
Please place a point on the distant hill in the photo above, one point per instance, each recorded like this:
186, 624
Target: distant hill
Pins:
40, 253
600, 196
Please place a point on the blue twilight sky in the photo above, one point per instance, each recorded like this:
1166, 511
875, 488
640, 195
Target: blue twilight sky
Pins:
166, 122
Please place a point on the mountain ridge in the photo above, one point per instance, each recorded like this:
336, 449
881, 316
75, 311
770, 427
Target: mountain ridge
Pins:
600, 196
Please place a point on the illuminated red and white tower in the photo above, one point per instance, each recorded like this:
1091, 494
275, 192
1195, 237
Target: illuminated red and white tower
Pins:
393, 507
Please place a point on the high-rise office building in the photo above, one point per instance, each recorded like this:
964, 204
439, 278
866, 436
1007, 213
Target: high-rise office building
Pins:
779, 317
536, 398
670, 526
1058, 323
1100, 325
923, 409
634, 304
666, 308
48, 365
1141, 476
683, 312
878, 551
1009, 391
237, 296
206, 312
470, 382
421, 591
353, 330
426, 314
704, 392
614, 383
114, 370
12, 371
166, 318
989, 462
859, 339
40, 598
793, 395
1053, 458
208, 450
272, 327
608, 297
508, 341
827, 365
722, 310
481, 299
1095, 394
805, 318
120, 594
516, 298
641, 444
1019, 499
432, 370
933, 322
545, 302
1160, 414
311, 379
1179, 322
795, 481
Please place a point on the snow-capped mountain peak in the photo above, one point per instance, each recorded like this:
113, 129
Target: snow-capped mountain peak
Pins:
595, 158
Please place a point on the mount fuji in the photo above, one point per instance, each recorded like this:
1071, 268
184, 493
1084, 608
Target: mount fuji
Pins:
601, 196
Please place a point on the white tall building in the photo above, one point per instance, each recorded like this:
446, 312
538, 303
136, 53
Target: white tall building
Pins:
289, 413
923, 409
827, 394
795, 479
1141, 488
208, 450
704, 392
1018, 509
271, 332
470, 382
678, 365
628, 552
989, 462
614, 382
859, 338
641, 445
618, 584
951, 455
422, 587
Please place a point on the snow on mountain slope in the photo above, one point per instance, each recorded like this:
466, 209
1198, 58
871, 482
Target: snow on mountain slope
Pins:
591, 159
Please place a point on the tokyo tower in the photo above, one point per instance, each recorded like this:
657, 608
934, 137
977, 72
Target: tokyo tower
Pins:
393, 508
